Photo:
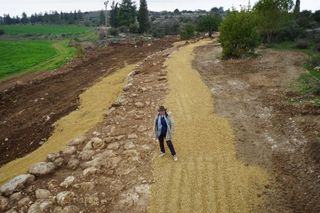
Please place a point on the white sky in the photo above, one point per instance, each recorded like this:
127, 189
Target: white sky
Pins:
16, 7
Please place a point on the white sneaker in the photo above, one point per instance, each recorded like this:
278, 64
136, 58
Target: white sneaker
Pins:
175, 158
162, 154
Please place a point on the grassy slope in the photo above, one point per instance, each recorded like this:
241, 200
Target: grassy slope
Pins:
26, 56
44, 29
308, 83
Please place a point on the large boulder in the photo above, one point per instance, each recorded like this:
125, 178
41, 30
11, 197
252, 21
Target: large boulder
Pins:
42, 168
16, 184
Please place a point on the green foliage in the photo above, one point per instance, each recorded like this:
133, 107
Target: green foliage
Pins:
123, 29
114, 32
316, 16
44, 29
22, 56
308, 84
271, 16
127, 13
168, 27
187, 32
238, 35
209, 23
1, 31
102, 18
314, 60
143, 17
302, 44
114, 15
297, 7
304, 19
134, 28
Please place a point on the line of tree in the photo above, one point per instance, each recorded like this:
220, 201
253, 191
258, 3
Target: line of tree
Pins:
53, 17
267, 22
125, 14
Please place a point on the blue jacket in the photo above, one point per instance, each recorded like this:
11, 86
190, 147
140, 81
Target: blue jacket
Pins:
170, 126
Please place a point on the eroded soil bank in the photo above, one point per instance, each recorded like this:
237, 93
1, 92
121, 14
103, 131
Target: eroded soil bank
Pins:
256, 95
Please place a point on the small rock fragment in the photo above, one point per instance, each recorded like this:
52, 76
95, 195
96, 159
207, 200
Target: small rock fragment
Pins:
65, 197
68, 181
42, 194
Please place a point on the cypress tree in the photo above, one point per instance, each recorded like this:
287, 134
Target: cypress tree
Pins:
297, 7
143, 17
114, 15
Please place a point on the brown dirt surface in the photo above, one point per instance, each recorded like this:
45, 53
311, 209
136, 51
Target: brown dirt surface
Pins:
120, 169
207, 176
31, 104
273, 129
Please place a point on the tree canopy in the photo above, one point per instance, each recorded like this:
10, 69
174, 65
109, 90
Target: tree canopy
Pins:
127, 13
209, 23
143, 17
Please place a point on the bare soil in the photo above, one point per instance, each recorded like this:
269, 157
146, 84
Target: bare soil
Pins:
31, 104
273, 128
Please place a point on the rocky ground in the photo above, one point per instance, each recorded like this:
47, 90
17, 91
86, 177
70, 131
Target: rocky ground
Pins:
31, 104
107, 170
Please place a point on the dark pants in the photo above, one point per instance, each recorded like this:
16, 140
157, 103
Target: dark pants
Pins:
169, 143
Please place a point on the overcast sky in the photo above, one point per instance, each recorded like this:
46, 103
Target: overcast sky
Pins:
16, 7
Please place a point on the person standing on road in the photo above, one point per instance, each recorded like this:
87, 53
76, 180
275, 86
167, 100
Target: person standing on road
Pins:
164, 130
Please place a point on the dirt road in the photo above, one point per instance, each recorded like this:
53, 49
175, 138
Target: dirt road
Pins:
272, 128
207, 177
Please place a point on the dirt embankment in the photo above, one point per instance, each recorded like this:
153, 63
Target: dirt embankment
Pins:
31, 104
256, 95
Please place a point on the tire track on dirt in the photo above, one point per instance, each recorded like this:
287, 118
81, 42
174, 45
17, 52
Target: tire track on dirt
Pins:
208, 177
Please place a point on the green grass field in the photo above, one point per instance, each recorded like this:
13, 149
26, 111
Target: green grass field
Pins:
27, 56
44, 29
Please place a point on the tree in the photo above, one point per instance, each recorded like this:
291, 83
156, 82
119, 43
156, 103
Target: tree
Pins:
127, 13
297, 7
271, 16
24, 19
209, 23
143, 17
316, 16
187, 32
238, 34
114, 15
102, 18
176, 12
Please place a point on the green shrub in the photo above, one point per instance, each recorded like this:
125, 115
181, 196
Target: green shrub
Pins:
302, 44
309, 84
187, 32
134, 28
1, 31
114, 32
238, 34
314, 60
317, 47
167, 27
123, 29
